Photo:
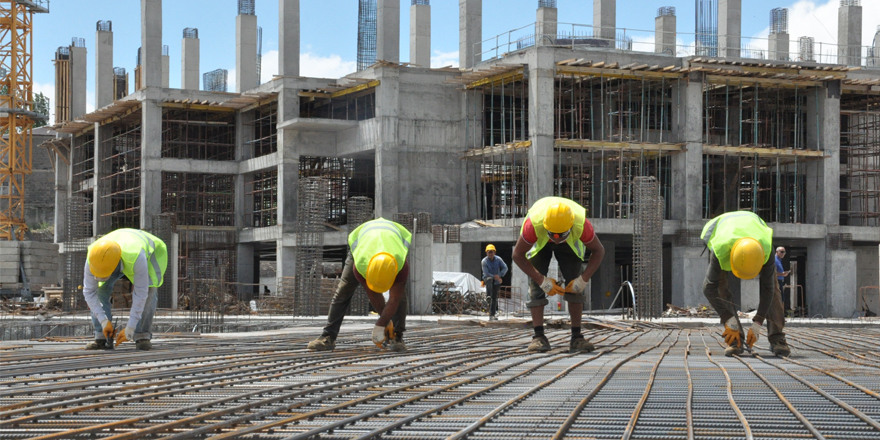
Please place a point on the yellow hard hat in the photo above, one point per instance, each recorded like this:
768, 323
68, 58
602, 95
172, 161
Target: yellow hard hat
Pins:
381, 272
559, 218
104, 257
490, 247
746, 258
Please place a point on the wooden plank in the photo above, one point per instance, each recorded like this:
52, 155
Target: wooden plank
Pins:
762, 152
579, 144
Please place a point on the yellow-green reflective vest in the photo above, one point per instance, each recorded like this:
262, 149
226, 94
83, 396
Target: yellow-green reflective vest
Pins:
132, 242
377, 236
723, 231
536, 215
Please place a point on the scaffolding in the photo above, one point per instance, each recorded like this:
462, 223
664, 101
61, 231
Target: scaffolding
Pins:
345, 178
82, 175
199, 135
164, 226
264, 126
215, 80
262, 188
860, 159
309, 270
62, 87
123, 178
207, 273
75, 253
366, 44
199, 199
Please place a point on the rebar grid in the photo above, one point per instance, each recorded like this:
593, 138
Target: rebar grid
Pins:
77, 42
198, 135
850, 2
124, 175
546, 3
247, 7
215, 80
265, 131
860, 160
360, 211
120, 83
805, 49
166, 51
105, 25
779, 21
259, 56
405, 219
82, 175
338, 172
199, 199
648, 248
366, 42
79, 232
164, 225
190, 33
207, 274
262, 188
664, 11
707, 28
311, 214
423, 223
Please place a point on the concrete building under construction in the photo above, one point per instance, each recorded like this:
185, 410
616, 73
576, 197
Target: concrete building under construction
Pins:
588, 112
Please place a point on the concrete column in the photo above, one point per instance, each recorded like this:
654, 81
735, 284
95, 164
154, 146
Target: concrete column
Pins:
285, 261
288, 37
779, 46
166, 71
665, 34
103, 68
78, 80
245, 52
605, 18
388, 29
190, 58
729, 28
101, 204
387, 200
849, 35
823, 133
151, 153
420, 35
245, 270
288, 164
470, 32
546, 26
151, 42
688, 272
542, 70
420, 274
687, 169
605, 280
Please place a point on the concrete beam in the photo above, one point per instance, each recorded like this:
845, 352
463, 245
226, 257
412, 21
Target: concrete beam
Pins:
245, 53
605, 18
420, 35
151, 43
729, 28
779, 47
78, 80
288, 37
849, 35
665, 34
546, 26
470, 32
190, 60
388, 29
103, 68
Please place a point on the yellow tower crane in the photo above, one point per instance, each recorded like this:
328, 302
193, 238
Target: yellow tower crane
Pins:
17, 114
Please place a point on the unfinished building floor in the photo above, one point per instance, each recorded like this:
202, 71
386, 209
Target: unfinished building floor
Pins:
643, 381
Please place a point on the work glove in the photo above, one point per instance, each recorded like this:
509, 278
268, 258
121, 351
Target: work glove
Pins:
752, 336
550, 287
576, 285
124, 335
378, 335
108, 329
389, 331
731, 333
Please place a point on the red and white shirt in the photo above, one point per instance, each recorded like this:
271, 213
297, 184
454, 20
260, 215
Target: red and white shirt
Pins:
530, 236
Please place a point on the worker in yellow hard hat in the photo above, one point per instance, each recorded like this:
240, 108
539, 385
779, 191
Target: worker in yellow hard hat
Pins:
557, 227
740, 242
376, 260
494, 270
142, 258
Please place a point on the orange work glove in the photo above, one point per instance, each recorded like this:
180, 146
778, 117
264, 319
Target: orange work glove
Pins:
752, 336
576, 286
122, 336
731, 333
108, 329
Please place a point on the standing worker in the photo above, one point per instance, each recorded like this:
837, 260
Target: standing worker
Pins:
377, 260
494, 270
740, 242
780, 278
558, 227
142, 258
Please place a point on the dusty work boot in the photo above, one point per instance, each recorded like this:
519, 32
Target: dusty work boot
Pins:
540, 344
99, 344
143, 344
397, 344
580, 344
780, 348
493, 318
733, 349
323, 343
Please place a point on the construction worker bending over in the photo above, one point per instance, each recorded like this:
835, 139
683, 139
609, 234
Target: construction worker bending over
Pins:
558, 227
377, 260
740, 242
142, 258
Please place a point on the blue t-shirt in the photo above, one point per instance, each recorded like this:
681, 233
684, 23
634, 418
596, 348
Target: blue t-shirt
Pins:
779, 268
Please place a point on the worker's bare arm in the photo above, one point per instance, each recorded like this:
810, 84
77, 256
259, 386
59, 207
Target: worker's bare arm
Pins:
596, 256
519, 257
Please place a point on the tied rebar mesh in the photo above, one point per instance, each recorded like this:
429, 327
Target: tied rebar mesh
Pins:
546, 3
79, 214
423, 223
63, 53
648, 248
78, 42
259, 55
119, 71
190, 33
310, 216
664, 11
779, 21
805, 49
105, 25
437, 232
165, 50
360, 211
164, 225
850, 2
215, 80
367, 22
207, 274
247, 7
406, 219
707, 27
421, 2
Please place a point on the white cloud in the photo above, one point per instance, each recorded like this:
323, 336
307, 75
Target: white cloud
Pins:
443, 59
90, 102
317, 66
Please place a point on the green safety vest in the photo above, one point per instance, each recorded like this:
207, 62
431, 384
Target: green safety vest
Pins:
132, 242
377, 236
723, 231
536, 215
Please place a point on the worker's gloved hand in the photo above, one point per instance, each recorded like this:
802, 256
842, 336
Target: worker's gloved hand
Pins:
378, 335
108, 329
754, 332
731, 333
550, 287
576, 285
389, 331
125, 335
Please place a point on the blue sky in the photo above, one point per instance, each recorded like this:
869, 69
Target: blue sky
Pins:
329, 29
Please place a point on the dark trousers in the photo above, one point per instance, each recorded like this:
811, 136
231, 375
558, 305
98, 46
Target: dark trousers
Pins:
716, 290
492, 291
348, 284
786, 297
570, 265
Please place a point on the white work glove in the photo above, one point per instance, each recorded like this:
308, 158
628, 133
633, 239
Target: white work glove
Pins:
577, 285
378, 335
550, 287
752, 336
127, 334
107, 329
731, 333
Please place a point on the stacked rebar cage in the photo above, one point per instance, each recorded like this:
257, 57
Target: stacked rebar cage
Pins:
311, 214
215, 80
79, 228
648, 248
